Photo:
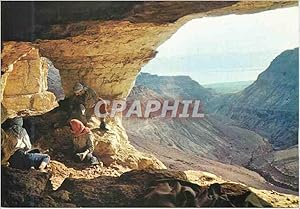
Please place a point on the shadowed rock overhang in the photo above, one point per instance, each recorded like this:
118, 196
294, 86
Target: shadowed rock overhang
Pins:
105, 44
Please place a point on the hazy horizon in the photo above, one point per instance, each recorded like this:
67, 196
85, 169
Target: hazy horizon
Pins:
227, 48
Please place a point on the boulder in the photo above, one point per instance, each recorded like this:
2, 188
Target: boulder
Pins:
24, 81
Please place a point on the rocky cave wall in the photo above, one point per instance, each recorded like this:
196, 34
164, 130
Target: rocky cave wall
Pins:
24, 81
108, 55
103, 44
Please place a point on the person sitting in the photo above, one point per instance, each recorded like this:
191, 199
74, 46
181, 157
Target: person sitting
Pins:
84, 101
24, 157
83, 142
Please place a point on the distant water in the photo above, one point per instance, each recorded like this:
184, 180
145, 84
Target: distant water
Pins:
227, 48
229, 87
227, 76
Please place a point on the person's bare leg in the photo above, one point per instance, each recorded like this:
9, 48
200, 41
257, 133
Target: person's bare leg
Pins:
44, 163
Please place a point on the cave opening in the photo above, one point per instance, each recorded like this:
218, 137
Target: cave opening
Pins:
230, 48
218, 60
54, 81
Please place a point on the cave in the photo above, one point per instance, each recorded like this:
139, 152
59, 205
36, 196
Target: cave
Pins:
101, 44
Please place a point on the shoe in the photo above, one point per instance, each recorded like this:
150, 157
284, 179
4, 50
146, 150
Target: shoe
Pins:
42, 167
81, 156
103, 127
94, 161
43, 170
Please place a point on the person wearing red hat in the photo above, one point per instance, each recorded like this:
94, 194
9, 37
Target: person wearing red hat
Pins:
83, 142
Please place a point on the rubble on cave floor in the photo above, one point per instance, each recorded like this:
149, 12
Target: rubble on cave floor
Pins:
71, 184
134, 188
116, 183
53, 136
59, 146
60, 172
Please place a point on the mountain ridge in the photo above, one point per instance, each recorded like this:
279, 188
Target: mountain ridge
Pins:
269, 106
215, 137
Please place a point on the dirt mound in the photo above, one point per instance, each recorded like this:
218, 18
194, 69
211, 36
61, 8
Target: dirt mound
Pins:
24, 188
133, 188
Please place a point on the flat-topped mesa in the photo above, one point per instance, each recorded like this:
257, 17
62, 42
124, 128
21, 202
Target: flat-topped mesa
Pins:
24, 81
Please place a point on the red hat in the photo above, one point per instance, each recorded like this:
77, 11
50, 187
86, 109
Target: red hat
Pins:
78, 128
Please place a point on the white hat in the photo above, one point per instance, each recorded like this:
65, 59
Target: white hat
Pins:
78, 87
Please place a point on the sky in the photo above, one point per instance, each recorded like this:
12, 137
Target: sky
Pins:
227, 48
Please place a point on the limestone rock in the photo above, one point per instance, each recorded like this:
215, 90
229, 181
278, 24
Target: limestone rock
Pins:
45, 14
43, 101
8, 144
107, 55
4, 114
107, 143
92, 59
113, 146
203, 178
24, 81
107, 45
27, 72
150, 175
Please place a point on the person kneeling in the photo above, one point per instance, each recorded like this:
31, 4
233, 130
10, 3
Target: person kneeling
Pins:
83, 142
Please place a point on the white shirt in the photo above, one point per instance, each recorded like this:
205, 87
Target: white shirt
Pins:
24, 141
